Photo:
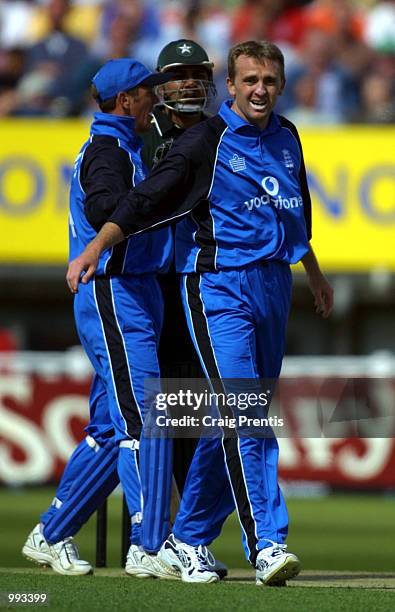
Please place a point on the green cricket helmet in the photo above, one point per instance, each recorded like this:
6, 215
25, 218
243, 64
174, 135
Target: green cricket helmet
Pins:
186, 95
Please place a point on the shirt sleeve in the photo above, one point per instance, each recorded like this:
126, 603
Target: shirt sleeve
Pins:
305, 192
106, 172
304, 188
171, 191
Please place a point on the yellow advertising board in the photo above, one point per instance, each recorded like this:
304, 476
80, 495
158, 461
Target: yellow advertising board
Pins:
351, 173
36, 158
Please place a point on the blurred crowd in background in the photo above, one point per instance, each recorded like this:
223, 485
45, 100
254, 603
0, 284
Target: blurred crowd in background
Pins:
340, 54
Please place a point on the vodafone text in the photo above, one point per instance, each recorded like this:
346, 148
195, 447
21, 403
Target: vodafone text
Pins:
279, 202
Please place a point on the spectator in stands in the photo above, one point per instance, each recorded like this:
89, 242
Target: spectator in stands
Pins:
339, 18
336, 88
136, 23
51, 84
306, 110
81, 20
377, 100
329, 45
343, 21
11, 69
279, 20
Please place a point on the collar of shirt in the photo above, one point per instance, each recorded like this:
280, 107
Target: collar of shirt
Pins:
105, 124
238, 124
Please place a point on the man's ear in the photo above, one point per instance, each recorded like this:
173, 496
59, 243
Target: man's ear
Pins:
231, 87
124, 100
282, 87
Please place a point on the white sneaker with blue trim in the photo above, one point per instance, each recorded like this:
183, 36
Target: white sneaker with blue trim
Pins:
274, 565
143, 565
36, 547
191, 561
65, 559
63, 556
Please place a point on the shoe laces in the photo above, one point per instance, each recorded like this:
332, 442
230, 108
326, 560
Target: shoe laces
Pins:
206, 558
276, 550
279, 549
196, 555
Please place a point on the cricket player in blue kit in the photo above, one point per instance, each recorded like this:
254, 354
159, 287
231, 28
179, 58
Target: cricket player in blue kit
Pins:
118, 318
245, 216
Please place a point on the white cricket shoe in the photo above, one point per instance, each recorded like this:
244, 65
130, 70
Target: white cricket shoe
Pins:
274, 565
36, 547
191, 561
142, 565
65, 559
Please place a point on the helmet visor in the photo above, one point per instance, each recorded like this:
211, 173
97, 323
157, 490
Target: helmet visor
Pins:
186, 95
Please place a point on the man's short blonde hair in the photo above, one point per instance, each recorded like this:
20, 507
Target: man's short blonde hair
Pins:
260, 50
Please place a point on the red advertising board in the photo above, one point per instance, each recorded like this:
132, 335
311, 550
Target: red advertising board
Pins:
41, 420
335, 431
338, 430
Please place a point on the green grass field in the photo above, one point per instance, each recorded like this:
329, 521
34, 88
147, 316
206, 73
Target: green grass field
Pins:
125, 593
336, 533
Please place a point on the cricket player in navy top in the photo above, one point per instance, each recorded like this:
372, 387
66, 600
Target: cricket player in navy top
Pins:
118, 318
237, 183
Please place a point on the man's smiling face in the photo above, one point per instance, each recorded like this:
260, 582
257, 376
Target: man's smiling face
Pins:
255, 87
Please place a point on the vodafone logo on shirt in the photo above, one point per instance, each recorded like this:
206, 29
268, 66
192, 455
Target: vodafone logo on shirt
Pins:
272, 196
270, 185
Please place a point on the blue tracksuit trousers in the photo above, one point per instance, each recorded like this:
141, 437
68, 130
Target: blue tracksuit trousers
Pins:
119, 321
237, 319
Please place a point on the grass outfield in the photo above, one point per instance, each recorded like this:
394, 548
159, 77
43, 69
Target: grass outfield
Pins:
125, 593
339, 532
